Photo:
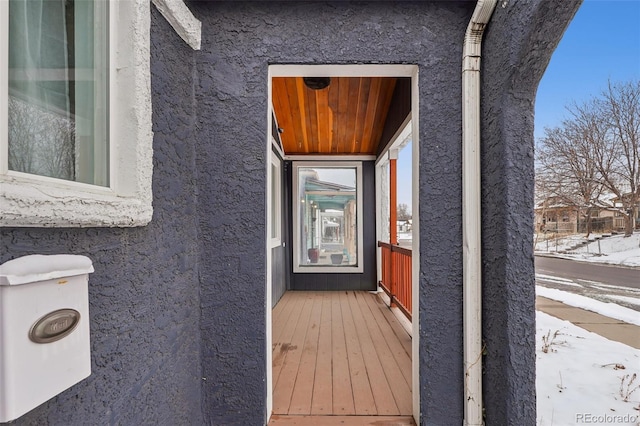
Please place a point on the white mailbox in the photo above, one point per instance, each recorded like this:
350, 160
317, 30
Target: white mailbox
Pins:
44, 329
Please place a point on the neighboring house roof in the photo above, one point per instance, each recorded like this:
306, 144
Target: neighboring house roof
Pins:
616, 199
554, 202
321, 185
605, 201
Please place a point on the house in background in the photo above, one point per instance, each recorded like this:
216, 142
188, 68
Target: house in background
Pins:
606, 220
175, 181
555, 214
625, 203
404, 226
560, 215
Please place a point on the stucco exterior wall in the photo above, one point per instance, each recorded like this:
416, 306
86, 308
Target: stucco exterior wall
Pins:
517, 48
239, 41
178, 307
143, 296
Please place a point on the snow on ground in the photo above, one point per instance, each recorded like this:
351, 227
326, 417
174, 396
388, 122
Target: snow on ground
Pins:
554, 245
610, 310
583, 378
632, 300
405, 239
616, 249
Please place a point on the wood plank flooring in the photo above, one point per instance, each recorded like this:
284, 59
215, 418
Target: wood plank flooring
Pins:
277, 420
339, 354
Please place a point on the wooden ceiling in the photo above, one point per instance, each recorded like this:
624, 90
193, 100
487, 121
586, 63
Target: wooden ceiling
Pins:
345, 118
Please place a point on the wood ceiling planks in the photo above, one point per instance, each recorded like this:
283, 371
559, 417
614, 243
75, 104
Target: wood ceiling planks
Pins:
347, 117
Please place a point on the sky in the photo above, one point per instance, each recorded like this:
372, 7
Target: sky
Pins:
601, 43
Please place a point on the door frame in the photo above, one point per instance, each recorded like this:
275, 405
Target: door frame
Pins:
349, 70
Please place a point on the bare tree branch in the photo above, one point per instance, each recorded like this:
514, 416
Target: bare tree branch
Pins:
594, 151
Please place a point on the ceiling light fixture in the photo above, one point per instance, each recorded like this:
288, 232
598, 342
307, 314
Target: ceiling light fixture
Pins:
317, 83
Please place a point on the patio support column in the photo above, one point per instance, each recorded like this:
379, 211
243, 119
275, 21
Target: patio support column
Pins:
393, 220
393, 197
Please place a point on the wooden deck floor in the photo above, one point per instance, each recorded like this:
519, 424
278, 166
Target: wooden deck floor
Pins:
339, 354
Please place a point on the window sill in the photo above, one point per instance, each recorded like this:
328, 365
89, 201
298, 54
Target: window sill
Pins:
37, 202
328, 269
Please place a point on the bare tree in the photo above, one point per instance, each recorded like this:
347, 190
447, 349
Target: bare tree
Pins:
22, 156
566, 170
596, 150
403, 212
40, 142
57, 148
618, 153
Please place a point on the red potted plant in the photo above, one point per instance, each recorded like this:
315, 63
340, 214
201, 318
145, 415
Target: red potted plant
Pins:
313, 255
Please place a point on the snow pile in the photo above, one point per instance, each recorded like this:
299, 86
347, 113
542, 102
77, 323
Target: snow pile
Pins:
610, 310
583, 378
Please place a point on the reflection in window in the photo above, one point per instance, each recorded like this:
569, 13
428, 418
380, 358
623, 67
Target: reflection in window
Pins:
327, 213
58, 103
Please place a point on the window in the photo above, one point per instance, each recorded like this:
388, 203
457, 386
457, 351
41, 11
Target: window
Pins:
57, 115
327, 211
276, 201
75, 150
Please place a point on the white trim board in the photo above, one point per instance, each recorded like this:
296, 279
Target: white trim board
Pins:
358, 70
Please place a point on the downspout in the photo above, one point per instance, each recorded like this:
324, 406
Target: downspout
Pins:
471, 214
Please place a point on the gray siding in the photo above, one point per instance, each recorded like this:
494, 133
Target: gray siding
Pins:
279, 259
278, 274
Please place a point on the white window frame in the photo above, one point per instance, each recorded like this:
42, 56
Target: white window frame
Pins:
276, 209
28, 200
359, 267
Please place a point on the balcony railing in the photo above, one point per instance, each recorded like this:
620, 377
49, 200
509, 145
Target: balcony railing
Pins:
396, 275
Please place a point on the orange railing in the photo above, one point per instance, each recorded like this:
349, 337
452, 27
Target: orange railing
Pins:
396, 275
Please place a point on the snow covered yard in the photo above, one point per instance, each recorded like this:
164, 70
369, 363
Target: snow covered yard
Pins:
583, 378
616, 249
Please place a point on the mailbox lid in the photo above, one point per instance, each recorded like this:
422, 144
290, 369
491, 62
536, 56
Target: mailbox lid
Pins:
40, 267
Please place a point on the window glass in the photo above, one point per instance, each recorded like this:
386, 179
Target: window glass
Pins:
327, 222
58, 98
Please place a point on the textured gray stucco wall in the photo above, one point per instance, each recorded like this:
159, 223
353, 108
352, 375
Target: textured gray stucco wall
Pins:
144, 302
517, 48
152, 347
240, 40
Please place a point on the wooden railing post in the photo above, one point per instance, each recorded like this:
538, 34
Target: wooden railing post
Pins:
396, 275
393, 197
